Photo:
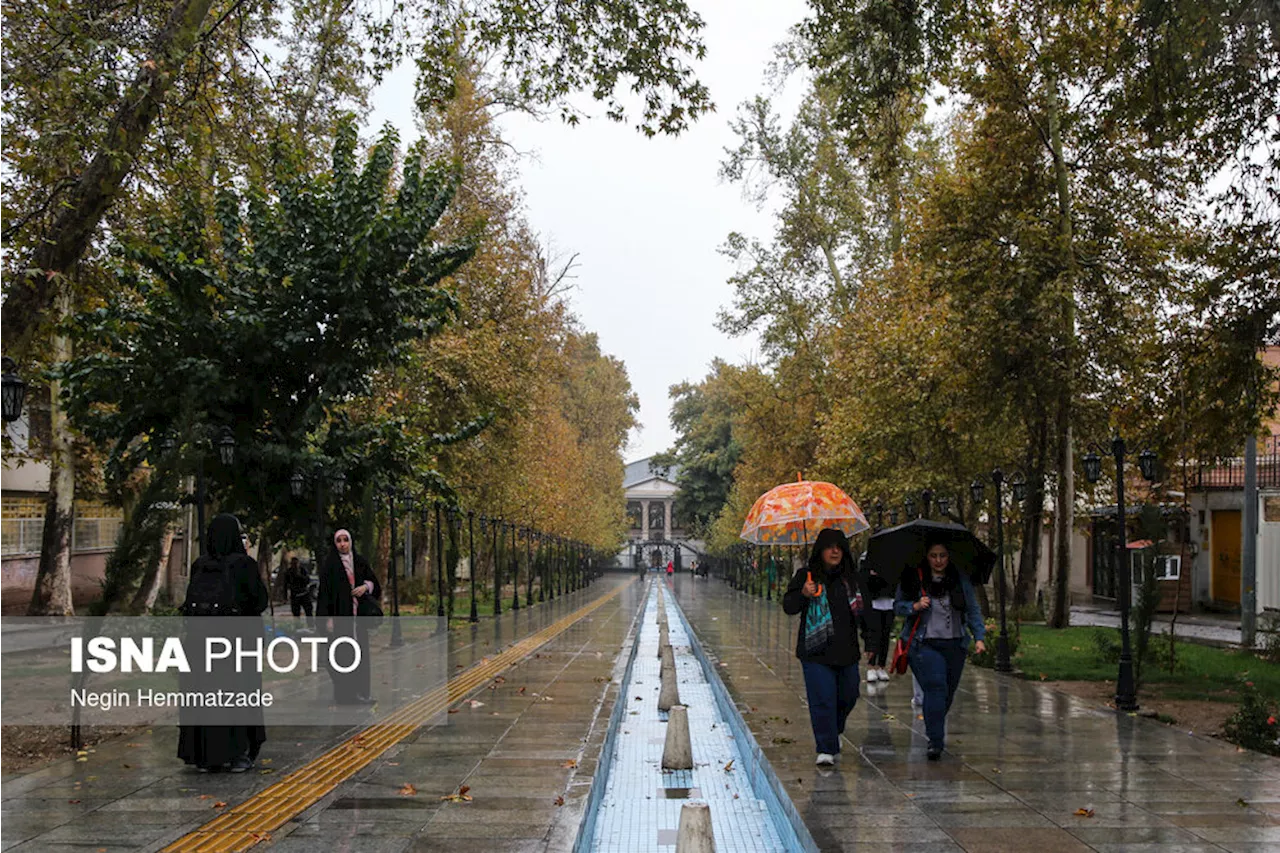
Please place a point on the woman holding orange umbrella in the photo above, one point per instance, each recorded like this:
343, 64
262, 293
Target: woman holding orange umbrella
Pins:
829, 582
827, 592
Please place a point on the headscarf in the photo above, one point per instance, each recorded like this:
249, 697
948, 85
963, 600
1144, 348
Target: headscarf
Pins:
223, 537
348, 559
828, 537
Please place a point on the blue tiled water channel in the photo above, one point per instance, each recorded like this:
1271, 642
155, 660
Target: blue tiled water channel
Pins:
638, 807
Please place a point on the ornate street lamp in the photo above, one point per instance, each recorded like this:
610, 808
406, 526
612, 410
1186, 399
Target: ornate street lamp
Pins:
926, 498
13, 391
1019, 485
893, 518
227, 447
976, 491
1126, 690
909, 507
471, 561
1003, 664
944, 506
879, 508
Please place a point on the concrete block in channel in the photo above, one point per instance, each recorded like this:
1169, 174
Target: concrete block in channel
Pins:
695, 835
669, 693
677, 752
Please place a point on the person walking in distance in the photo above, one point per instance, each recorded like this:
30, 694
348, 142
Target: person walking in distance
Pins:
344, 579
940, 601
297, 580
829, 580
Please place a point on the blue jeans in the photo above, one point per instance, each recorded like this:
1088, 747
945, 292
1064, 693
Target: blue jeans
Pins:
937, 665
832, 693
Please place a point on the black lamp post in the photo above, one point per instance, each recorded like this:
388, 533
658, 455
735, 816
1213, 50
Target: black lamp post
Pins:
515, 570
1126, 690
926, 498
392, 571
471, 561
1003, 664
13, 391
893, 518
298, 487
439, 565
909, 507
944, 507
879, 508
496, 526
226, 447
528, 565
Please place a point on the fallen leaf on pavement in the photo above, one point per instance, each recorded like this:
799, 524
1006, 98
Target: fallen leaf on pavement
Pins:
408, 789
520, 691
559, 801
568, 764
1242, 803
206, 796
461, 797
1083, 812
728, 768
220, 804
73, 802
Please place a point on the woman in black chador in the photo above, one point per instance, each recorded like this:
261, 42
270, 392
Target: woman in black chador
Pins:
345, 577
225, 582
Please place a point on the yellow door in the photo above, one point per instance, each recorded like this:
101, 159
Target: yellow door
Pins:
1226, 555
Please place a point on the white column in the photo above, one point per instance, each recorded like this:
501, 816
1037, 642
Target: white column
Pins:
666, 519
644, 524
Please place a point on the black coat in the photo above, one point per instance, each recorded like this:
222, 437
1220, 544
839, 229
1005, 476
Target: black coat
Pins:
843, 650
335, 589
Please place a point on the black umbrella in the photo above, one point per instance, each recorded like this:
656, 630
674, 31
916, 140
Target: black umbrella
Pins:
897, 549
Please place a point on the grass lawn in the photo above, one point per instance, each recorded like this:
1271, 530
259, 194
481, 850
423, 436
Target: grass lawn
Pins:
1202, 672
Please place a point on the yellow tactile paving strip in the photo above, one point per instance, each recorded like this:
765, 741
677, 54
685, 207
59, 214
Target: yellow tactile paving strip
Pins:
256, 818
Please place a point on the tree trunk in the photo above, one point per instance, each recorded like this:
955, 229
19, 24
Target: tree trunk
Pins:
149, 589
100, 182
1033, 517
52, 593
1064, 511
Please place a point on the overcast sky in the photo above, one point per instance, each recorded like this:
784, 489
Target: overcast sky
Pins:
646, 216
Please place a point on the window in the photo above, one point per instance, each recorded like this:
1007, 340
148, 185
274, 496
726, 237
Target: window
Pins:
96, 526
1167, 567
23, 525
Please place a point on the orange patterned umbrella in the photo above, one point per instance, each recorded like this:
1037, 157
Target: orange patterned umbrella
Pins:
794, 513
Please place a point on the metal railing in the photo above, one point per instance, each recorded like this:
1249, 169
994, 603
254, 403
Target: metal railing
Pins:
1228, 473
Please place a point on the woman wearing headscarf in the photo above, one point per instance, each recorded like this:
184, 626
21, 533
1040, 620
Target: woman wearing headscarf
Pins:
942, 608
831, 672
225, 581
346, 577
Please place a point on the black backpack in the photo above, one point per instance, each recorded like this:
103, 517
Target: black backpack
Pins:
210, 592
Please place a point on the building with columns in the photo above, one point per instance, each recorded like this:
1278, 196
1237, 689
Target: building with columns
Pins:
651, 494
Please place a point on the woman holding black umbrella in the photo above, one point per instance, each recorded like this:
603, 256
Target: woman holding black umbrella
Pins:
831, 670
942, 614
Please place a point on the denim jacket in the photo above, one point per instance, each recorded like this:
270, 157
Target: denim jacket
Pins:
972, 624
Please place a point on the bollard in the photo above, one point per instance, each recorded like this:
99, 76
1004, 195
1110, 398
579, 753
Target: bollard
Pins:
669, 694
677, 751
695, 835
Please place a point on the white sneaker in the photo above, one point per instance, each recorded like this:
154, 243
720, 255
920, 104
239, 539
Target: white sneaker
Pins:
881, 674
826, 759
871, 675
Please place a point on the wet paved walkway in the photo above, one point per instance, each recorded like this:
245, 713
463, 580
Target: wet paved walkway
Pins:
523, 744
1021, 759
